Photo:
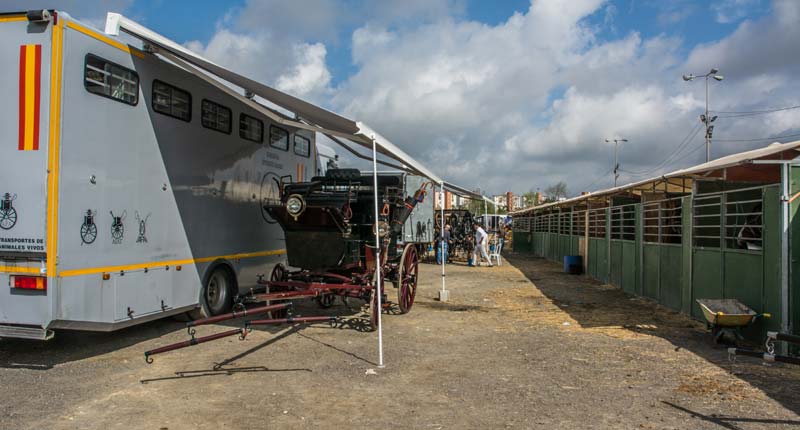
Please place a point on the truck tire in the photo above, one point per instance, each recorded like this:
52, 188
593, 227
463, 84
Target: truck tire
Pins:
216, 296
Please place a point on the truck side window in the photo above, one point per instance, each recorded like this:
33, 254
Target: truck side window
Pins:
107, 79
172, 101
215, 116
251, 128
278, 138
302, 146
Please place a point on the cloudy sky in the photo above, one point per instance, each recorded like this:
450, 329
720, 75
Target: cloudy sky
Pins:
512, 95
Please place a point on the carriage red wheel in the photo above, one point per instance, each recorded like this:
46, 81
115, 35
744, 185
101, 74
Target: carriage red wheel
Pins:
373, 309
408, 270
278, 274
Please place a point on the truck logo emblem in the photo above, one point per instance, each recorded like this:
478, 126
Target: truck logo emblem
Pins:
117, 228
142, 228
88, 229
8, 215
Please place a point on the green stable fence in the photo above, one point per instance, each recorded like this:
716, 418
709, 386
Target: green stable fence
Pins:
715, 243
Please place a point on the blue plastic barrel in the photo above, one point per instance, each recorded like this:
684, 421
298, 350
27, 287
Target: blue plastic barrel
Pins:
573, 264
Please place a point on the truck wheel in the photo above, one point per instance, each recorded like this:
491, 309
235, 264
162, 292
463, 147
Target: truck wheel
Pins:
216, 296
218, 292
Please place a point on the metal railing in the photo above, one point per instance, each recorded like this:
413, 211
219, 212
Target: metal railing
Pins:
662, 221
597, 222
623, 222
522, 225
729, 219
579, 223
565, 222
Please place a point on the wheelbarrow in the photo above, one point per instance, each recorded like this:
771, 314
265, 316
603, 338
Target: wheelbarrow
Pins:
728, 317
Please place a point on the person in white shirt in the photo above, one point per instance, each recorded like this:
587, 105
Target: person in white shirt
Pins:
480, 245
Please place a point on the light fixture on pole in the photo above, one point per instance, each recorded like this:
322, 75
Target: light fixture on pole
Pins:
616, 158
705, 119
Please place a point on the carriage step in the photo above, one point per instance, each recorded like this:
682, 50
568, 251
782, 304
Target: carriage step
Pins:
21, 332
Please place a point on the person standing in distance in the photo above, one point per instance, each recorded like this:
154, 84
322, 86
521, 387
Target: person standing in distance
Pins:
480, 245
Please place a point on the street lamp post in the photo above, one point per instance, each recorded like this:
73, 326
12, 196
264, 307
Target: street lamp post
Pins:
705, 119
616, 158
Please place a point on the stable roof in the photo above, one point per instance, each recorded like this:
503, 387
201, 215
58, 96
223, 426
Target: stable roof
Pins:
717, 168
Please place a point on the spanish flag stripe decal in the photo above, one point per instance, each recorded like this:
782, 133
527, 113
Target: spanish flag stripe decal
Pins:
30, 67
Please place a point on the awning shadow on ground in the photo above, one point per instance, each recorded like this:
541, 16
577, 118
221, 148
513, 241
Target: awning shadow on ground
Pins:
601, 307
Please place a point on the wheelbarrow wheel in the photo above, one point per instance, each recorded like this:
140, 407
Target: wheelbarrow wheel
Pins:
278, 274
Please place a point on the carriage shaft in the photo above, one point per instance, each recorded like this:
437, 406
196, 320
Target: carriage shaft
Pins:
293, 320
235, 315
192, 342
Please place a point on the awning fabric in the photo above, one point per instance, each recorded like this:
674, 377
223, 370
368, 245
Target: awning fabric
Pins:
326, 121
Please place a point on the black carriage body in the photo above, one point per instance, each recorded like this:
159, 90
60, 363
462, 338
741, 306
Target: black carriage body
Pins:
335, 227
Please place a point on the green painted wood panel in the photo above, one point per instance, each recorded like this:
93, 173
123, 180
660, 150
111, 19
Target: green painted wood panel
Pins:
706, 277
650, 277
564, 240
671, 276
616, 263
630, 267
592, 266
794, 250
600, 259
744, 276
522, 242
772, 257
686, 243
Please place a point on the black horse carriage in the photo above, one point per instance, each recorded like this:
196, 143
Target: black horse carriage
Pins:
461, 231
330, 229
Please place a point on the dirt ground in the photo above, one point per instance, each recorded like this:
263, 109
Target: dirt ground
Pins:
518, 346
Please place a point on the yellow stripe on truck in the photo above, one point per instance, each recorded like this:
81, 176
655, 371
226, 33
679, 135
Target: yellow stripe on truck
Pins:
54, 146
18, 269
141, 266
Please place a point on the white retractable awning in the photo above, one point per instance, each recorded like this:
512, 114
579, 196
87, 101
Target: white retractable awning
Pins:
322, 120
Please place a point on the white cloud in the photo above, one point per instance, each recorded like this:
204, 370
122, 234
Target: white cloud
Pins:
528, 102
309, 75
728, 11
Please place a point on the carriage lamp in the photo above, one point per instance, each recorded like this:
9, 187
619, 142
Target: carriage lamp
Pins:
295, 205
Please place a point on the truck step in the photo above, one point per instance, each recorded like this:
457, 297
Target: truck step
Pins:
20, 332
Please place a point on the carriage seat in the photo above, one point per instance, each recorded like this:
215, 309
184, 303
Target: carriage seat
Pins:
343, 174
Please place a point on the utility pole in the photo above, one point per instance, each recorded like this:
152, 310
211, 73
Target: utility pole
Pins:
705, 119
616, 157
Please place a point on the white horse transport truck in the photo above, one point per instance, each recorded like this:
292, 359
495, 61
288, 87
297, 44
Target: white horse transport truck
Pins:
130, 188
135, 179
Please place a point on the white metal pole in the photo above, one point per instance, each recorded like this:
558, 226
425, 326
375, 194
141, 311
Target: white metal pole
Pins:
377, 251
708, 122
441, 235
